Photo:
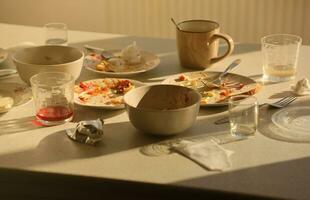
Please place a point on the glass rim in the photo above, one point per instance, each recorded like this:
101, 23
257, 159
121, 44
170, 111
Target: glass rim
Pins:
60, 24
35, 82
297, 37
217, 25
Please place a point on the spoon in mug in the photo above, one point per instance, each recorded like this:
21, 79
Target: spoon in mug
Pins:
176, 25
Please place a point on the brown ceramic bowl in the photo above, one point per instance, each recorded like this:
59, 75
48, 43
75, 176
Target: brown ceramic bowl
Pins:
33, 60
162, 109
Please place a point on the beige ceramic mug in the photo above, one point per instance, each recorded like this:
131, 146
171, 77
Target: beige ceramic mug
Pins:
198, 43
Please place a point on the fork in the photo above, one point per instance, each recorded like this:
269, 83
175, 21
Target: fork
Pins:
278, 104
104, 53
218, 80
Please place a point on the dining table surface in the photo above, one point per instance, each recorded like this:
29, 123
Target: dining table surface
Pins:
272, 163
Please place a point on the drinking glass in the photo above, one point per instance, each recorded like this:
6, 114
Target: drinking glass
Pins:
56, 34
243, 115
53, 97
280, 56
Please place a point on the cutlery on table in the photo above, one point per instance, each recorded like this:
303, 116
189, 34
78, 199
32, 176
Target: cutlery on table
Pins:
278, 104
234, 64
104, 53
7, 72
215, 83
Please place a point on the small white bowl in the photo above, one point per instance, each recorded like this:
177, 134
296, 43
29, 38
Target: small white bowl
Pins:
162, 109
33, 60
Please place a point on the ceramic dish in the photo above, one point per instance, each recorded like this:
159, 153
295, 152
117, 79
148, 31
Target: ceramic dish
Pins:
104, 93
293, 119
148, 62
234, 85
33, 60
162, 109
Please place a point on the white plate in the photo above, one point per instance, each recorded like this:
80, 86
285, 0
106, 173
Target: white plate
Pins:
293, 119
249, 84
21, 94
95, 101
148, 62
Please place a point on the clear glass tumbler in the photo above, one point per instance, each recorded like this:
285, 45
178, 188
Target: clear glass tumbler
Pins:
56, 34
280, 57
53, 94
243, 115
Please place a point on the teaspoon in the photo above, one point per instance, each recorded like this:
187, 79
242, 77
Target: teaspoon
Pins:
176, 25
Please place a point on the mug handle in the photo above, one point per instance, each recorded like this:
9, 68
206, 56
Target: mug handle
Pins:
229, 41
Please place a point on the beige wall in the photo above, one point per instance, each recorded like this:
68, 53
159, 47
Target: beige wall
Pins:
244, 20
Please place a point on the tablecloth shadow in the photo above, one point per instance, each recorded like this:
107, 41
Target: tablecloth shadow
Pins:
210, 111
118, 137
281, 94
94, 113
285, 180
58, 147
267, 128
17, 125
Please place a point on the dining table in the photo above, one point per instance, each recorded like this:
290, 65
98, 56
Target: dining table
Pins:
273, 163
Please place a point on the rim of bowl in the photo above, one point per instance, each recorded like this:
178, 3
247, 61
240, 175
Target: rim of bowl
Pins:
170, 110
19, 61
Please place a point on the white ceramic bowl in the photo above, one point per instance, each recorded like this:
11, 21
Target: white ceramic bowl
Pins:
33, 60
162, 109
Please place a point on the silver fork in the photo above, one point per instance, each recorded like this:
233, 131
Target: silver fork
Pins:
278, 104
218, 80
282, 102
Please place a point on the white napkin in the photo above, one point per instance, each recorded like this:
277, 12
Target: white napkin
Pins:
206, 153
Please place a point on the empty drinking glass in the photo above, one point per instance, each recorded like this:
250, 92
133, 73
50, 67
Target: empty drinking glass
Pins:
56, 34
243, 115
280, 56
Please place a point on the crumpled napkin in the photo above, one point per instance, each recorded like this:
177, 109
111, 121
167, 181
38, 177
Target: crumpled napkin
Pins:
207, 154
87, 132
302, 87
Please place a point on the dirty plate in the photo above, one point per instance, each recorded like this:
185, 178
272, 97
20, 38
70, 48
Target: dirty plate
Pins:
104, 93
21, 94
235, 84
148, 62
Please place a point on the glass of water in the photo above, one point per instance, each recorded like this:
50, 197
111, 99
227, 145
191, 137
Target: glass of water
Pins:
280, 56
56, 34
243, 115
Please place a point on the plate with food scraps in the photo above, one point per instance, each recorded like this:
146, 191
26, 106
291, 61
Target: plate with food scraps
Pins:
124, 62
104, 93
212, 94
13, 94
